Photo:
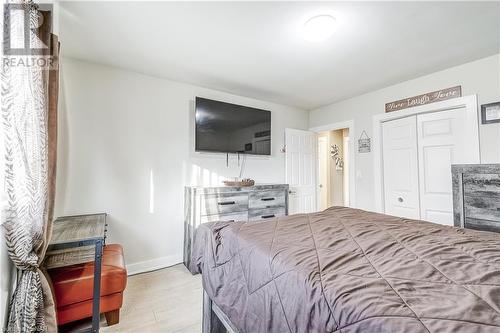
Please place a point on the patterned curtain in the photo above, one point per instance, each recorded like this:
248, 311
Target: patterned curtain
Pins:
29, 121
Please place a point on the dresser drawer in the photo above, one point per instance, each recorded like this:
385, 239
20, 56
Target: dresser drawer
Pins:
234, 217
266, 213
266, 199
223, 203
482, 207
484, 225
485, 184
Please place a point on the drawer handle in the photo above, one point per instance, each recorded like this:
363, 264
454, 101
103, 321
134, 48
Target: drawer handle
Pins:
225, 203
267, 199
400, 199
230, 221
267, 216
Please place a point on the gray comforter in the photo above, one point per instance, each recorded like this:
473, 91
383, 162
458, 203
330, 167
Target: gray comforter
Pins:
346, 270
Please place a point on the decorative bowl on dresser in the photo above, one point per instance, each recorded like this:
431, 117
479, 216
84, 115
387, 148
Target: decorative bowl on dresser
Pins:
476, 196
211, 204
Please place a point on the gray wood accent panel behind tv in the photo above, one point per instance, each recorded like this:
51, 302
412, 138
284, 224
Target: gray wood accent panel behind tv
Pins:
212, 204
476, 196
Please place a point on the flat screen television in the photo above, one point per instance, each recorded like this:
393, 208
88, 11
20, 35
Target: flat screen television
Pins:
230, 128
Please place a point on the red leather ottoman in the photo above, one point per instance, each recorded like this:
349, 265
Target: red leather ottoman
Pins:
73, 286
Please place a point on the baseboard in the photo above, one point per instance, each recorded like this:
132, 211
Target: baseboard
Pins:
153, 264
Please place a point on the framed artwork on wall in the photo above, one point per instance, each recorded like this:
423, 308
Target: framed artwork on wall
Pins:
490, 113
364, 143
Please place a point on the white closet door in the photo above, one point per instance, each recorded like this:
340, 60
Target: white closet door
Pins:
444, 138
401, 167
300, 162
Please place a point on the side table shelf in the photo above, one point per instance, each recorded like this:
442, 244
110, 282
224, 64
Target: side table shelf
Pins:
75, 240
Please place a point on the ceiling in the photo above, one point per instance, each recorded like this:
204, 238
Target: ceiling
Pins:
257, 50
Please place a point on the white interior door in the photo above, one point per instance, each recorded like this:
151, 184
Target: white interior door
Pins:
444, 138
300, 170
323, 170
399, 139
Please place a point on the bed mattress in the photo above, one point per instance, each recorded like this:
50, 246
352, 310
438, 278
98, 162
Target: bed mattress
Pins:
347, 270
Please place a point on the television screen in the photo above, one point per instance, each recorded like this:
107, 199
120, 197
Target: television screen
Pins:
230, 128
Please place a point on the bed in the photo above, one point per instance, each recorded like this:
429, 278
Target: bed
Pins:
347, 270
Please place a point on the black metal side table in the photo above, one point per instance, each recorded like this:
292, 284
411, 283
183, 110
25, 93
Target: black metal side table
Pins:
75, 240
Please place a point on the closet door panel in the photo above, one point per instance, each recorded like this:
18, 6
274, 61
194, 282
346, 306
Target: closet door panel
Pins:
444, 138
399, 138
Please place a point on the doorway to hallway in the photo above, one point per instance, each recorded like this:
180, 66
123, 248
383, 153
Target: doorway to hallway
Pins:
333, 168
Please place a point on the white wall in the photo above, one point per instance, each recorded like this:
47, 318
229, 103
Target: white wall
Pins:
116, 127
481, 77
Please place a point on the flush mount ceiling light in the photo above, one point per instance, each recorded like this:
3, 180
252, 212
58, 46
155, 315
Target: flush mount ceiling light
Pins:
319, 28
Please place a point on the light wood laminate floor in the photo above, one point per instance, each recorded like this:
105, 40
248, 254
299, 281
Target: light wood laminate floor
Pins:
167, 301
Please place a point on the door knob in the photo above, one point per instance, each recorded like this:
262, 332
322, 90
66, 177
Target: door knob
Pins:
400, 199
320, 185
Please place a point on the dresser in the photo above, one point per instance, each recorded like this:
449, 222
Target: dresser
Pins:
211, 204
476, 196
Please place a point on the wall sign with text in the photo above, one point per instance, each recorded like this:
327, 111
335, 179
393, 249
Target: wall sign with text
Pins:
364, 143
432, 97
